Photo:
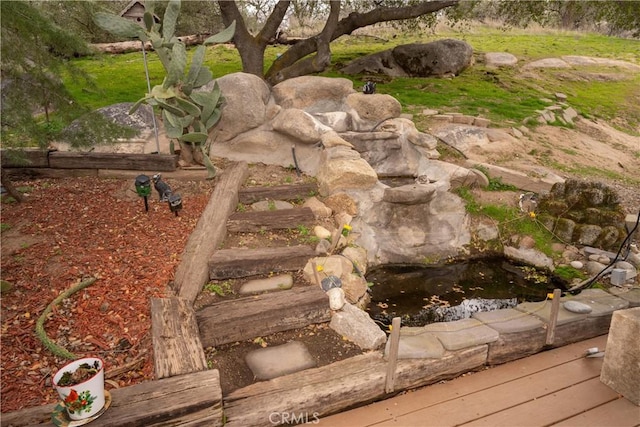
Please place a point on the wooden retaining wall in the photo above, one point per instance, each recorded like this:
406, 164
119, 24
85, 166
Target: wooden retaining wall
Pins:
40, 162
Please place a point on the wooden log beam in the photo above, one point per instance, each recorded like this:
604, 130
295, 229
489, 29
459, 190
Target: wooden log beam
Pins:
24, 158
33, 173
177, 348
236, 263
282, 219
77, 160
193, 271
516, 345
261, 315
318, 392
192, 399
279, 192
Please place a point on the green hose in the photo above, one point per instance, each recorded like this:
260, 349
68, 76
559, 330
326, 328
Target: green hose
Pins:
40, 332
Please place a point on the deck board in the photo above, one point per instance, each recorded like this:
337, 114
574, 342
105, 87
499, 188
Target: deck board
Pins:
551, 408
560, 383
619, 412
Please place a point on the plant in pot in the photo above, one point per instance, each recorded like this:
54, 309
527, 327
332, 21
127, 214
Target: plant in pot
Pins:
80, 385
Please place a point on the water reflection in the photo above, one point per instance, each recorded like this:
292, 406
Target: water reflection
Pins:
428, 294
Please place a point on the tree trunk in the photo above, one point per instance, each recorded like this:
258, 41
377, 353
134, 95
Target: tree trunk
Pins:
8, 185
252, 48
318, 62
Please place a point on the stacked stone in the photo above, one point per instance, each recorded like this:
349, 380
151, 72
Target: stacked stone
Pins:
584, 213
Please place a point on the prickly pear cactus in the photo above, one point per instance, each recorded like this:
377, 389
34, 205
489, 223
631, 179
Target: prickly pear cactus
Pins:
188, 113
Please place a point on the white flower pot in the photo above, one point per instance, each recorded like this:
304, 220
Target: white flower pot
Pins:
87, 398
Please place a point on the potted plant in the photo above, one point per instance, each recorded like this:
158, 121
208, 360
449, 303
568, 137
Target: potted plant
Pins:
80, 385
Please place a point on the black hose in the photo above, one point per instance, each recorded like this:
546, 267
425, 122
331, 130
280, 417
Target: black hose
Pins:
615, 259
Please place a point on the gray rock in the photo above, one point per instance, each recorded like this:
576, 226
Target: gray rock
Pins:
354, 287
588, 234
500, 59
271, 205
508, 320
319, 209
482, 180
577, 264
487, 232
529, 256
246, 96
418, 346
577, 307
271, 362
410, 194
340, 173
378, 63
358, 257
438, 58
547, 63
594, 267
371, 110
323, 247
313, 94
298, 124
463, 137
339, 121
463, 333
358, 327
274, 283
601, 302
481, 122
625, 265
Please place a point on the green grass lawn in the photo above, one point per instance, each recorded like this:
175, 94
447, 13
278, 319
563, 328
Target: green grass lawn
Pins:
504, 95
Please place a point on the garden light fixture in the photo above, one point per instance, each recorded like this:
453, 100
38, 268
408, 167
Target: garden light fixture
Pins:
175, 203
143, 188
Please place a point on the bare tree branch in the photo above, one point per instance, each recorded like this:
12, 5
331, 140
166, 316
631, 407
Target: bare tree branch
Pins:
294, 61
347, 26
318, 62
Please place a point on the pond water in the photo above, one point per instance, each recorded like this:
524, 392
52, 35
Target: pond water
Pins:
426, 294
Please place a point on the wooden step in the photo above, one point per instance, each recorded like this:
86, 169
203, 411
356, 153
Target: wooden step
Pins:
177, 348
282, 219
193, 271
279, 192
261, 315
242, 262
192, 399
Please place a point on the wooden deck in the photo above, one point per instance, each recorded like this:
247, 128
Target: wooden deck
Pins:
559, 387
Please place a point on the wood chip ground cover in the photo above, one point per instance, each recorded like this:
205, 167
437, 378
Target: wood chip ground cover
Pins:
69, 230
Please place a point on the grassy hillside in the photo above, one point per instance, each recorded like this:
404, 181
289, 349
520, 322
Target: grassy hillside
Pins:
504, 96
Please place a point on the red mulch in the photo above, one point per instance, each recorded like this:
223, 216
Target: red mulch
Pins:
73, 229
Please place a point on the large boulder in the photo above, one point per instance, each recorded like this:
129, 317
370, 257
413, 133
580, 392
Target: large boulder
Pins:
438, 58
377, 63
431, 228
300, 125
246, 97
263, 145
313, 94
343, 169
136, 130
369, 111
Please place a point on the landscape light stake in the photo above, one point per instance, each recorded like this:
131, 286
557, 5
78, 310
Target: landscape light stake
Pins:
175, 203
143, 188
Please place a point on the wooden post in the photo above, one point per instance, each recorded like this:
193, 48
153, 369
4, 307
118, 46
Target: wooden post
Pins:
553, 317
393, 355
